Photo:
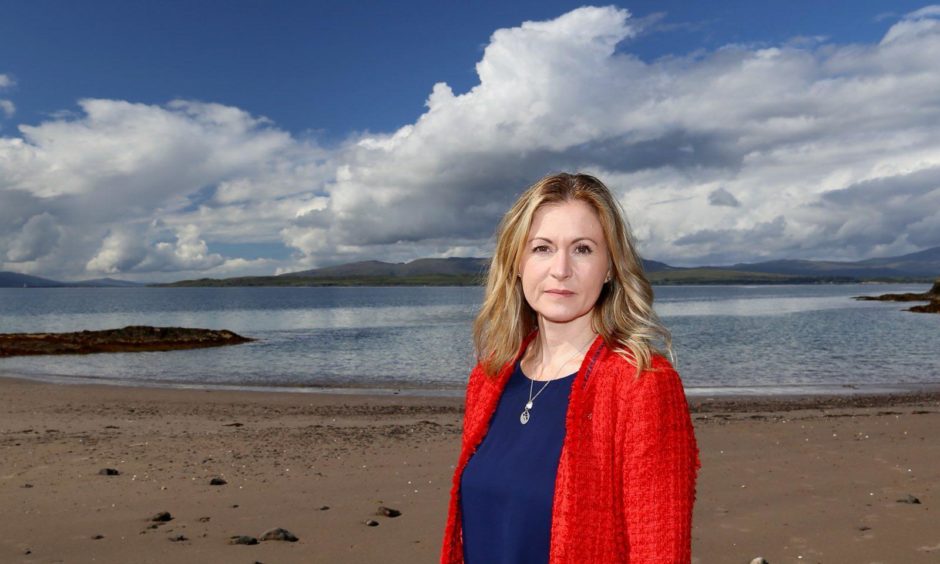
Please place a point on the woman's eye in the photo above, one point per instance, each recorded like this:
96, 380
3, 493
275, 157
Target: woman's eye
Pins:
540, 249
583, 250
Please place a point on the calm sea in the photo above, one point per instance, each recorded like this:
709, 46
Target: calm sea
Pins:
728, 339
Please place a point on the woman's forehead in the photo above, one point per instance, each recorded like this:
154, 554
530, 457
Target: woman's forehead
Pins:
570, 219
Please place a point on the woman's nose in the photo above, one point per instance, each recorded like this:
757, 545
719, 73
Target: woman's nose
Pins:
561, 266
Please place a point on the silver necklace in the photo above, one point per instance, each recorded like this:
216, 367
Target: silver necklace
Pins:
524, 416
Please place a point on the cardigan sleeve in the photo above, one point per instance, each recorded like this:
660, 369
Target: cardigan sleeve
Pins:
660, 467
452, 551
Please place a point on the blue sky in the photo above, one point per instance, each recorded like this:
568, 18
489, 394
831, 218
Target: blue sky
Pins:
162, 140
331, 68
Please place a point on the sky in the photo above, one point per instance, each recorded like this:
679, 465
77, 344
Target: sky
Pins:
158, 141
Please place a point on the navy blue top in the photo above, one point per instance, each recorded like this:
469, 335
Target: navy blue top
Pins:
507, 487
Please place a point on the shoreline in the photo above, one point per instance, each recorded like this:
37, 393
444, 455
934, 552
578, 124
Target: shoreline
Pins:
793, 392
814, 479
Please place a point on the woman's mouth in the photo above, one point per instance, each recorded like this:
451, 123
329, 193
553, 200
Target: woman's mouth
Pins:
560, 292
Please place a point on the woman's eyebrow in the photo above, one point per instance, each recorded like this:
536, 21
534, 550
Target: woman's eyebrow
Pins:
547, 240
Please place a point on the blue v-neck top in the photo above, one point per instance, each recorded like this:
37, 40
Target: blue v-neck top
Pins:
508, 485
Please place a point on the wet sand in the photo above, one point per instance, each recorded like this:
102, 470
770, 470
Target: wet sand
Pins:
795, 480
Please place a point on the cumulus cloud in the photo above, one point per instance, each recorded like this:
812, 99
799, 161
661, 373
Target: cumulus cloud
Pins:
121, 165
806, 149
38, 236
128, 250
760, 134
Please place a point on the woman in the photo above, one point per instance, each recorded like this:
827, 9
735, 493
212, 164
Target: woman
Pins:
577, 442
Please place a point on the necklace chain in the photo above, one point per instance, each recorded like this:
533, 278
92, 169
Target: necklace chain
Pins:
525, 415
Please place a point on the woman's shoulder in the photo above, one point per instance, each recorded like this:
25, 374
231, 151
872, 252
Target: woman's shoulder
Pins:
623, 364
660, 377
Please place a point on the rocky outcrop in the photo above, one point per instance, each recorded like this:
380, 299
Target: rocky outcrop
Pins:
932, 296
136, 338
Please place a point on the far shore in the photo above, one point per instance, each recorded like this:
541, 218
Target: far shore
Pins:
853, 478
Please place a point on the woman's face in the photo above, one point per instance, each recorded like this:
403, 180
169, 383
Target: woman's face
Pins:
565, 262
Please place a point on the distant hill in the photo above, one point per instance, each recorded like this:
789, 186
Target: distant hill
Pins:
453, 266
920, 265
17, 280
107, 283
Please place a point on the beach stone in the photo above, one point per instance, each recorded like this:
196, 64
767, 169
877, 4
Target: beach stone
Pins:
387, 511
162, 517
109, 472
372, 523
217, 482
242, 539
759, 560
203, 519
27, 486
178, 538
324, 508
909, 499
278, 534
97, 537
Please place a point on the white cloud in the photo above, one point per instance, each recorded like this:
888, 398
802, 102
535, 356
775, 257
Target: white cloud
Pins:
37, 238
807, 149
134, 250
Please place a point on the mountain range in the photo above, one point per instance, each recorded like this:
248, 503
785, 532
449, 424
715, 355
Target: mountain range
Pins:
16, 280
921, 266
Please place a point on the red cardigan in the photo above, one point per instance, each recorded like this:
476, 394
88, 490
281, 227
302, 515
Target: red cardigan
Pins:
626, 477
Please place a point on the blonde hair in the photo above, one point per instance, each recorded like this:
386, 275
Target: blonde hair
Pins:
623, 314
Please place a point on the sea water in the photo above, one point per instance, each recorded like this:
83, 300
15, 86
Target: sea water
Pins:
727, 339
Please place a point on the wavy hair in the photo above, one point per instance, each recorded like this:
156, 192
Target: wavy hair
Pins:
623, 314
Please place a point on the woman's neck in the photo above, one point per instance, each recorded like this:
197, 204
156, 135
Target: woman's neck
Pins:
560, 346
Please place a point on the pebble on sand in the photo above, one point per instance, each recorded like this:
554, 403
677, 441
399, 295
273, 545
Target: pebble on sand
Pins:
387, 511
278, 534
217, 482
179, 538
759, 560
909, 499
242, 539
162, 517
109, 472
372, 523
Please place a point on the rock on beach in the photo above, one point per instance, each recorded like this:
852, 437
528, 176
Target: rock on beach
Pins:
133, 338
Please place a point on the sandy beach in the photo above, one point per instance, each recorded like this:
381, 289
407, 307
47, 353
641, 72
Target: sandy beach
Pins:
792, 480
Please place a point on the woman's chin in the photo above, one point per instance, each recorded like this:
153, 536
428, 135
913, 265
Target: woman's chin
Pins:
562, 317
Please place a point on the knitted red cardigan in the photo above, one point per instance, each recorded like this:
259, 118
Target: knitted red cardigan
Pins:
626, 477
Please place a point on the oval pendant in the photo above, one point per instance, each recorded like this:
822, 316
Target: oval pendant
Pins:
524, 418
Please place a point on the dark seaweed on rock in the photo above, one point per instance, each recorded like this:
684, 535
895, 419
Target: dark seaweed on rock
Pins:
135, 338
932, 296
